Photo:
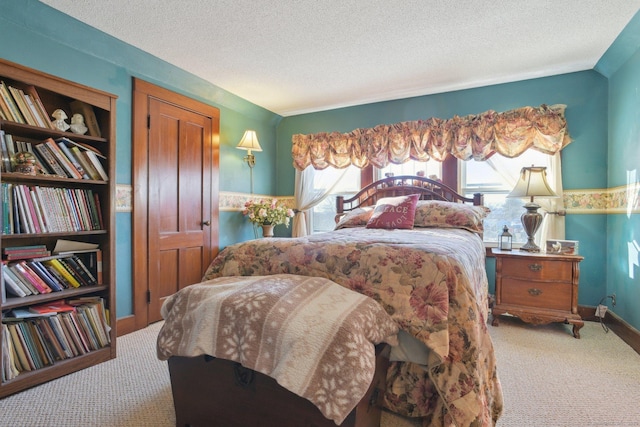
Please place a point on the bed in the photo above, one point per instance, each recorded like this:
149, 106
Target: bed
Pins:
429, 276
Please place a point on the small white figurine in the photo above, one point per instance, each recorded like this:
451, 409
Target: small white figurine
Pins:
77, 124
59, 123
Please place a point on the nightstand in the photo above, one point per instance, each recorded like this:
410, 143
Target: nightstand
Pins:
538, 288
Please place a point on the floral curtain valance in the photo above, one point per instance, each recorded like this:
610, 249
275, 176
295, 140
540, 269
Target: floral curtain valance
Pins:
477, 137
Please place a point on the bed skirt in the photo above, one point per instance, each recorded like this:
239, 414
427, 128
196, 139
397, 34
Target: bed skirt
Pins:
209, 391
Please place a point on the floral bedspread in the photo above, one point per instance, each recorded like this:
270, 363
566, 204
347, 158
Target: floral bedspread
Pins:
431, 281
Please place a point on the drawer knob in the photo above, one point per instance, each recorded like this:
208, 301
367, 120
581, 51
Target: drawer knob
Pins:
535, 267
535, 292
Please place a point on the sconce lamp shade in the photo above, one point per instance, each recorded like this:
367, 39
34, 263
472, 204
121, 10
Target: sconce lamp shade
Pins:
249, 142
532, 182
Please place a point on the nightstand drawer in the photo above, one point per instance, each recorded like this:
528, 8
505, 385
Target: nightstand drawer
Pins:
555, 296
538, 269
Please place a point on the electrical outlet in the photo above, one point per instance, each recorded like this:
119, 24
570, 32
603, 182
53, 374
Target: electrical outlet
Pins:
601, 310
613, 300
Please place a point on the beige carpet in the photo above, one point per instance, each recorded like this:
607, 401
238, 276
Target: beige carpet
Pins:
549, 378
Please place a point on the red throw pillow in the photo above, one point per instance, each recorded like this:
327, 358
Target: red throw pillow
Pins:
394, 212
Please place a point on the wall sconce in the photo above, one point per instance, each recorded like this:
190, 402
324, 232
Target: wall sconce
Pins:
532, 183
250, 143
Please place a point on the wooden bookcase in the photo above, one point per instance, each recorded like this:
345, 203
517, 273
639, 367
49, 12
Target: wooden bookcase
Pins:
56, 93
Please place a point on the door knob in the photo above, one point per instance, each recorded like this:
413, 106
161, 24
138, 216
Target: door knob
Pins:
207, 223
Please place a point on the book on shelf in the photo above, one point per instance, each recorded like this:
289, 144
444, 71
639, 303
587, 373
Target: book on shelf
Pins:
4, 108
21, 102
54, 352
23, 313
83, 146
31, 92
13, 283
56, 327
39, 209
70, 326
11, 149
86, 163
20, 213
6, 159
93, 308
24, 362
89, 115
29, 251
42, 272
31, 349
24, 209
32, 216
95, 161
64, 246
50, 162
74, 161
34, 111
9, 357
83, 273
63, 272
29, 275
51, 339
90, 334
80, 153
42, 350
7, 211
74, 269
3, 291
69, 168
89, 255
39, 213
21, 280
58, 306
16, 115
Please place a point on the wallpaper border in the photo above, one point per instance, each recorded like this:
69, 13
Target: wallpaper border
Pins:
624, 199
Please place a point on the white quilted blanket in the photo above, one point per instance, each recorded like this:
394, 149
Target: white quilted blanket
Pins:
314, 337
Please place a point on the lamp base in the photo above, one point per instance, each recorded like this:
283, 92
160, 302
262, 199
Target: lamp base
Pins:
531, 221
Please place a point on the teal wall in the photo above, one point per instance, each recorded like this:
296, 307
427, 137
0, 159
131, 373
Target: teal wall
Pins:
623, 276
584, 161
40, 37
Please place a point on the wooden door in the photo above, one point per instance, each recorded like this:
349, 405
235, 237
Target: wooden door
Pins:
179, 203
175, 196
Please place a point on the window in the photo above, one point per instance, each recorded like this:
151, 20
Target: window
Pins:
412, 167
323, 214
495, 178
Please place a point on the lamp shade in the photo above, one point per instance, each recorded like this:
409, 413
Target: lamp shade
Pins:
531, 183
249, 141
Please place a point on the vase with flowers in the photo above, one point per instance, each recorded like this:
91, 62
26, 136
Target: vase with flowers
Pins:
267, 214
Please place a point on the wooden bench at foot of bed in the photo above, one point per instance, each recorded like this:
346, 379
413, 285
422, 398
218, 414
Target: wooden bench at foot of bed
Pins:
209, 391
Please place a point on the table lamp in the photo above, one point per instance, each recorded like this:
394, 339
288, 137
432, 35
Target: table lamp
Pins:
532, 182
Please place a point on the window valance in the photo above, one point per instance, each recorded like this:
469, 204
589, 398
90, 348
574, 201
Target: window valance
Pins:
477, 137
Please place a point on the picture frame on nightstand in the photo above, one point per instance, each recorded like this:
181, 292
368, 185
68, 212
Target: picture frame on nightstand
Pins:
562, 247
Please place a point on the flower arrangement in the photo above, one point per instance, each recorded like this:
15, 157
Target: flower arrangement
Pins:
264, 212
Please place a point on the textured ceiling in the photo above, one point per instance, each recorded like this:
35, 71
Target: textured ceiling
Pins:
298, 56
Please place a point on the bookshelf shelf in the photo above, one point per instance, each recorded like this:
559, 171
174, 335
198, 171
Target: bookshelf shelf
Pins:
42, 298
64, 367
14, 177
32, 215
36, 132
